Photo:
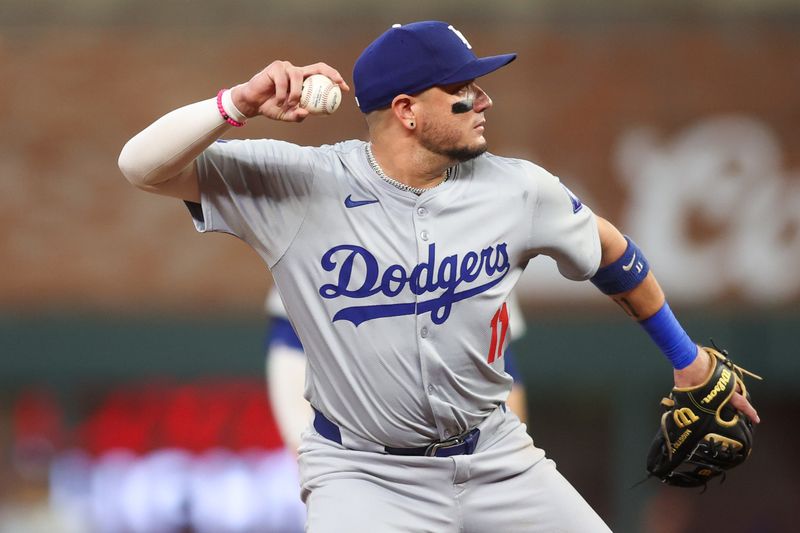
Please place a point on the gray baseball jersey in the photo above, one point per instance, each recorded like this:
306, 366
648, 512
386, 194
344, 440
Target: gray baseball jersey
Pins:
398, 299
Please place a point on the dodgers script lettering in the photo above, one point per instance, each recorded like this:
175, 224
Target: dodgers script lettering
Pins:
427, 277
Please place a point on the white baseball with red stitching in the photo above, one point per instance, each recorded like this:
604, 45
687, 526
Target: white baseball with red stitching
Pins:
320, 95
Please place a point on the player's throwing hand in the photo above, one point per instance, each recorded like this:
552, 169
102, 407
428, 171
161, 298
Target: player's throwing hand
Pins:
275, 91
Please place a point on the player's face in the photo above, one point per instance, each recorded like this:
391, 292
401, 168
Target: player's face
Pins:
454, 121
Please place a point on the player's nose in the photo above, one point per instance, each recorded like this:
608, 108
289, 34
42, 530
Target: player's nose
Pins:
482, 101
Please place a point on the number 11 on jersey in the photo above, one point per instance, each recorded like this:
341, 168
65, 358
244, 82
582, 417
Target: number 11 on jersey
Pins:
499, 322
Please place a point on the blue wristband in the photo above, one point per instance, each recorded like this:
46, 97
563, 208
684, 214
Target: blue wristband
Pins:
625, 273
670, 337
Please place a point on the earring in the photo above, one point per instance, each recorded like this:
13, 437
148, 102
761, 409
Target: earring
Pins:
411, 124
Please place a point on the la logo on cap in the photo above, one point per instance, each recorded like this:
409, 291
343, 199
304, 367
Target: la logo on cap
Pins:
460, 36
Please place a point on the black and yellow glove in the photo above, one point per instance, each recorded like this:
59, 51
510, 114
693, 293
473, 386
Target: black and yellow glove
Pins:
701, 434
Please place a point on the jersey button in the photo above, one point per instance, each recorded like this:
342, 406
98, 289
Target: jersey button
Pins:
423, 235
430, 389
422, 211
423, 332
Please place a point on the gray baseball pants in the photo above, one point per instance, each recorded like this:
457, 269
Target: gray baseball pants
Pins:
506, 486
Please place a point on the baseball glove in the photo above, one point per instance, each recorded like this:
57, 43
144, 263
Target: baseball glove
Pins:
701, 434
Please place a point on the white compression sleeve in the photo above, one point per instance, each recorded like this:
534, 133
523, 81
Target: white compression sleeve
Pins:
171, 143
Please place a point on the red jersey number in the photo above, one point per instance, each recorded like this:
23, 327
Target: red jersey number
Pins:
499, 322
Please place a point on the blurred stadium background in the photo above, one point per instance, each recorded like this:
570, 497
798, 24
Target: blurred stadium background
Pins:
131, 360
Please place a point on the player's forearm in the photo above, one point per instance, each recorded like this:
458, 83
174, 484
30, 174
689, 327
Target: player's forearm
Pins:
643, 301
170, 144
624, 275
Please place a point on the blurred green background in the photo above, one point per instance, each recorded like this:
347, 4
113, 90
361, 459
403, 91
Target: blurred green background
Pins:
678, 120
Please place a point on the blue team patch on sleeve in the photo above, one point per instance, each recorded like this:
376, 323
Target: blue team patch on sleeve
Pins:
576, 202
282, 333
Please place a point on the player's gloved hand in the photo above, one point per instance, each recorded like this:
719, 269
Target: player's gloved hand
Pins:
698, 372
702, 433
275, 91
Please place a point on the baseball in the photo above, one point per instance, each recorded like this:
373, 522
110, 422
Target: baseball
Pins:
320, 95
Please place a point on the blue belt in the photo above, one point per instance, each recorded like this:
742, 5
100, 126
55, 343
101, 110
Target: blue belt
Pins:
462, 445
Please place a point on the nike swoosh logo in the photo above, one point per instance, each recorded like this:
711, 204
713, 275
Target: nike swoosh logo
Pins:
629, 265
350, 203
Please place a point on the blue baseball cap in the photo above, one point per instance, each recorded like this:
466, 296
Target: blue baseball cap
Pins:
407, 59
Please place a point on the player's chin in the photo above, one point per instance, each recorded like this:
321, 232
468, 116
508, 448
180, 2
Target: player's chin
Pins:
469, 151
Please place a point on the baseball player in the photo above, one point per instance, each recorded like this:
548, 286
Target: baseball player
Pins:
395, 257
286, 369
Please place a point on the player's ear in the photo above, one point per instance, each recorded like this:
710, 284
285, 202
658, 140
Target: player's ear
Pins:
403, 110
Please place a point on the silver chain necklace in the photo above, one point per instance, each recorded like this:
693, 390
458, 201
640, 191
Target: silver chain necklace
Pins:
402, 186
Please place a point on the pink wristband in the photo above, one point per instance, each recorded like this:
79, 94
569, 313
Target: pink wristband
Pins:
225, 115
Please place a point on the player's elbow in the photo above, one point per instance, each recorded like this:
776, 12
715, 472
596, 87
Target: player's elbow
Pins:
140, 168
130, 164
128, 169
